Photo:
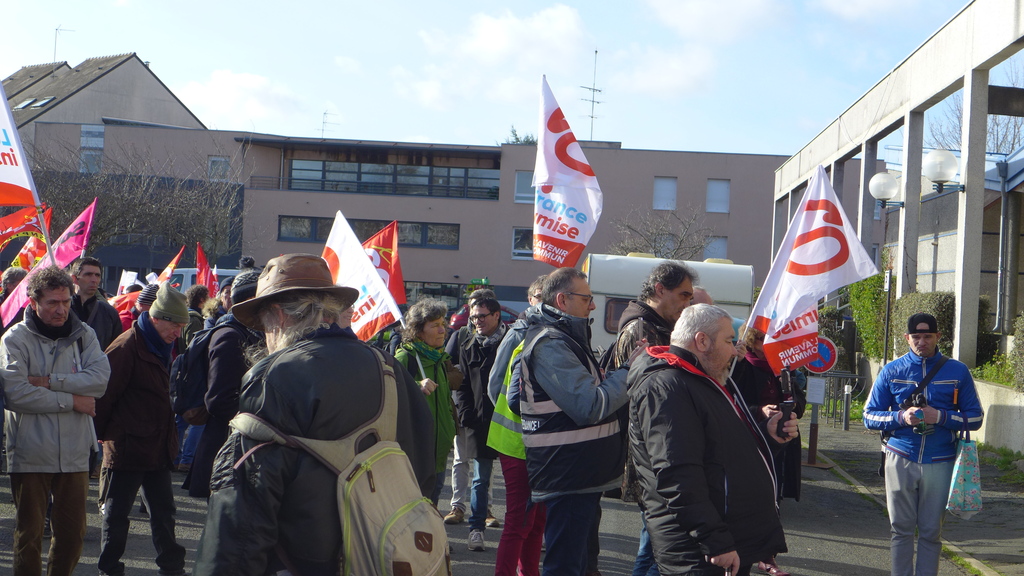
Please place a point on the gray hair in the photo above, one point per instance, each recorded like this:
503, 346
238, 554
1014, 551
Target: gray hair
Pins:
559, 282
697, 318
670, 275
12, 276
304, 310
422, 312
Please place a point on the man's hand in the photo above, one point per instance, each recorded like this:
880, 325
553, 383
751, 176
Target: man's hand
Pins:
85, 404
427, 386
769, 410
931, 416
41, 381
791, 428
730, 561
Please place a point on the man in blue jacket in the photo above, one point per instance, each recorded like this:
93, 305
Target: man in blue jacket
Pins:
923, 428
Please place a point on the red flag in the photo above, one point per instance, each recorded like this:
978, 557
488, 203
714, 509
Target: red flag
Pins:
124, 302
204, 275
382, 248
30, 253
24, 222
69, 246
166, 274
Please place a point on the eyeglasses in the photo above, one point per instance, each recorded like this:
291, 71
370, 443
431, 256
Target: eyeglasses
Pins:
589, 297
478, 317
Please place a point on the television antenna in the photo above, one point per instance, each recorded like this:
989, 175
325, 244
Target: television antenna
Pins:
56, 33
594, 91
324, 123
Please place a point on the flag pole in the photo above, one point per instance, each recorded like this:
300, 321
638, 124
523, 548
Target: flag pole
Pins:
46, 233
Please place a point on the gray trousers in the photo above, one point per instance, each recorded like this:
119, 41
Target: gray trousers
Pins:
916, 495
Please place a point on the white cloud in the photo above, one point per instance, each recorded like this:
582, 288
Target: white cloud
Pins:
496, 58
348, 64
663, 73
241, 101
716, 21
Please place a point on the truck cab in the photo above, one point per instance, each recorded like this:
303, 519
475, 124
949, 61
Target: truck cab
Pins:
615, 280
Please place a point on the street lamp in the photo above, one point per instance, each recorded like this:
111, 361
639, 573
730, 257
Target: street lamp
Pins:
941, 166
884, 187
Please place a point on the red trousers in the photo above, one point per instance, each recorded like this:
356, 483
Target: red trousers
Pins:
523, 534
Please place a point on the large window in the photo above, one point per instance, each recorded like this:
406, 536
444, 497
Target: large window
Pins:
664, 193
303, 229
718, 247
522, 243
413, 234
718, 196
90, 153
525, 192
218, 168
397, 179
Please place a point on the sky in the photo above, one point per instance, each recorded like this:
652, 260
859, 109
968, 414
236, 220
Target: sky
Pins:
745, 76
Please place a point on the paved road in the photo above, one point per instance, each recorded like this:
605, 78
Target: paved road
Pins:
834, 529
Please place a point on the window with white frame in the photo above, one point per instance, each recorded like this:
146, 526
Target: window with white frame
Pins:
522, 243
718, 196
524, 187
218, 168
718, 247
665, 192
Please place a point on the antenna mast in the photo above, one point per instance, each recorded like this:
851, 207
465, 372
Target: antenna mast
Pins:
594, 91
324, 123
56, 33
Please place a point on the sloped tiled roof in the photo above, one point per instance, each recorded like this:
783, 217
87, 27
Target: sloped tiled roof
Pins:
28, 76
62, 86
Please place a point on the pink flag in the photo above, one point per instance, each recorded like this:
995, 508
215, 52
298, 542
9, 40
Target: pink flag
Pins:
69, 246
16, 185
569, 201
375, 308
820, 253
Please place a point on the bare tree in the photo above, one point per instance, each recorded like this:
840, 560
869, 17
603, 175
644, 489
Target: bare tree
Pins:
138, 206
1005, 133
679, 235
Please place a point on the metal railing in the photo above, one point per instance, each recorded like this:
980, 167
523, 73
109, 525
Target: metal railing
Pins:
378, 188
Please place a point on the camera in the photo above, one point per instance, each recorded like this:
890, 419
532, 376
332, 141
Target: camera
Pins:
918, 400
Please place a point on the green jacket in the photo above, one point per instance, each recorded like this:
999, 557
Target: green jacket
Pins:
440, 401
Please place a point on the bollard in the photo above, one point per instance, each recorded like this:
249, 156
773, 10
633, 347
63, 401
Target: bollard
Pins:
847, 398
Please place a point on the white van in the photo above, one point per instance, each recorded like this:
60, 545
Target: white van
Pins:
184, 278
615, 280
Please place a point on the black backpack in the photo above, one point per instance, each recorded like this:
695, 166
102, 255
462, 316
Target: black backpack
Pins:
189, 378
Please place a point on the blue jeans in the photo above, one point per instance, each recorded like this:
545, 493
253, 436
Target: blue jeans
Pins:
644, 564
187, 442
566, 531
478, 493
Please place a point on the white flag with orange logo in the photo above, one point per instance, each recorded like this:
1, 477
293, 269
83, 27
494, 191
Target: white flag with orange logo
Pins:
820, 253
375, 308
569, 201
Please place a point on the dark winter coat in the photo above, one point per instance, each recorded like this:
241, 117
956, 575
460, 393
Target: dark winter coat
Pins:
472, 403
323, 388
134, 418
224, 378
706, 469
638, 322
100, 316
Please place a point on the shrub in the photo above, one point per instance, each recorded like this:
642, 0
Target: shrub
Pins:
1017, 353
867, 305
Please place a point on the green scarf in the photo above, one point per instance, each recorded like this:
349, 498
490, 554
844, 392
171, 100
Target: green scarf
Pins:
435, 355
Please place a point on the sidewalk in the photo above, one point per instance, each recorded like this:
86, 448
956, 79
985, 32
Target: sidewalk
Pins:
994, 537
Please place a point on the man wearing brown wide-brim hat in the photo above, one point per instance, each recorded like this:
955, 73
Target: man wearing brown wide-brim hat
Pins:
319, 381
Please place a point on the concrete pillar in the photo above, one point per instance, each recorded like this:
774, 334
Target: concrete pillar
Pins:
836, 175
866, 205
969, 216
907, 247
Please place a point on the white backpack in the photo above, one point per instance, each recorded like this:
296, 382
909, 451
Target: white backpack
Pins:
387, 526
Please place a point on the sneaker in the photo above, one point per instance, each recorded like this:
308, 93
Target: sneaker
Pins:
456, 516
476, 541
491, 521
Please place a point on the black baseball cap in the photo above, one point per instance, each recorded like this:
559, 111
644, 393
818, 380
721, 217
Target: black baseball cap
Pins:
915, 321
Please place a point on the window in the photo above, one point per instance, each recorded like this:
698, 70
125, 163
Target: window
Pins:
413, 234
718, 196
90, 154
522, 243
403, 180
303, 229
878, 211
218, 168
24, 103
43, 102
525, 192
718, 247
664, 193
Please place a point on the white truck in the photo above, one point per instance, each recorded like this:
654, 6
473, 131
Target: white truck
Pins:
615, 280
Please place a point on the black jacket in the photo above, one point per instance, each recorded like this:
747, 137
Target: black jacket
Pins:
472, 403
638, 322
707, 473
323, 388
224, 381
100, 316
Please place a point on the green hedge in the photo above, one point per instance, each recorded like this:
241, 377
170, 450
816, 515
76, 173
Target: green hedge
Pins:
867, 306
1017, 353
830, 325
